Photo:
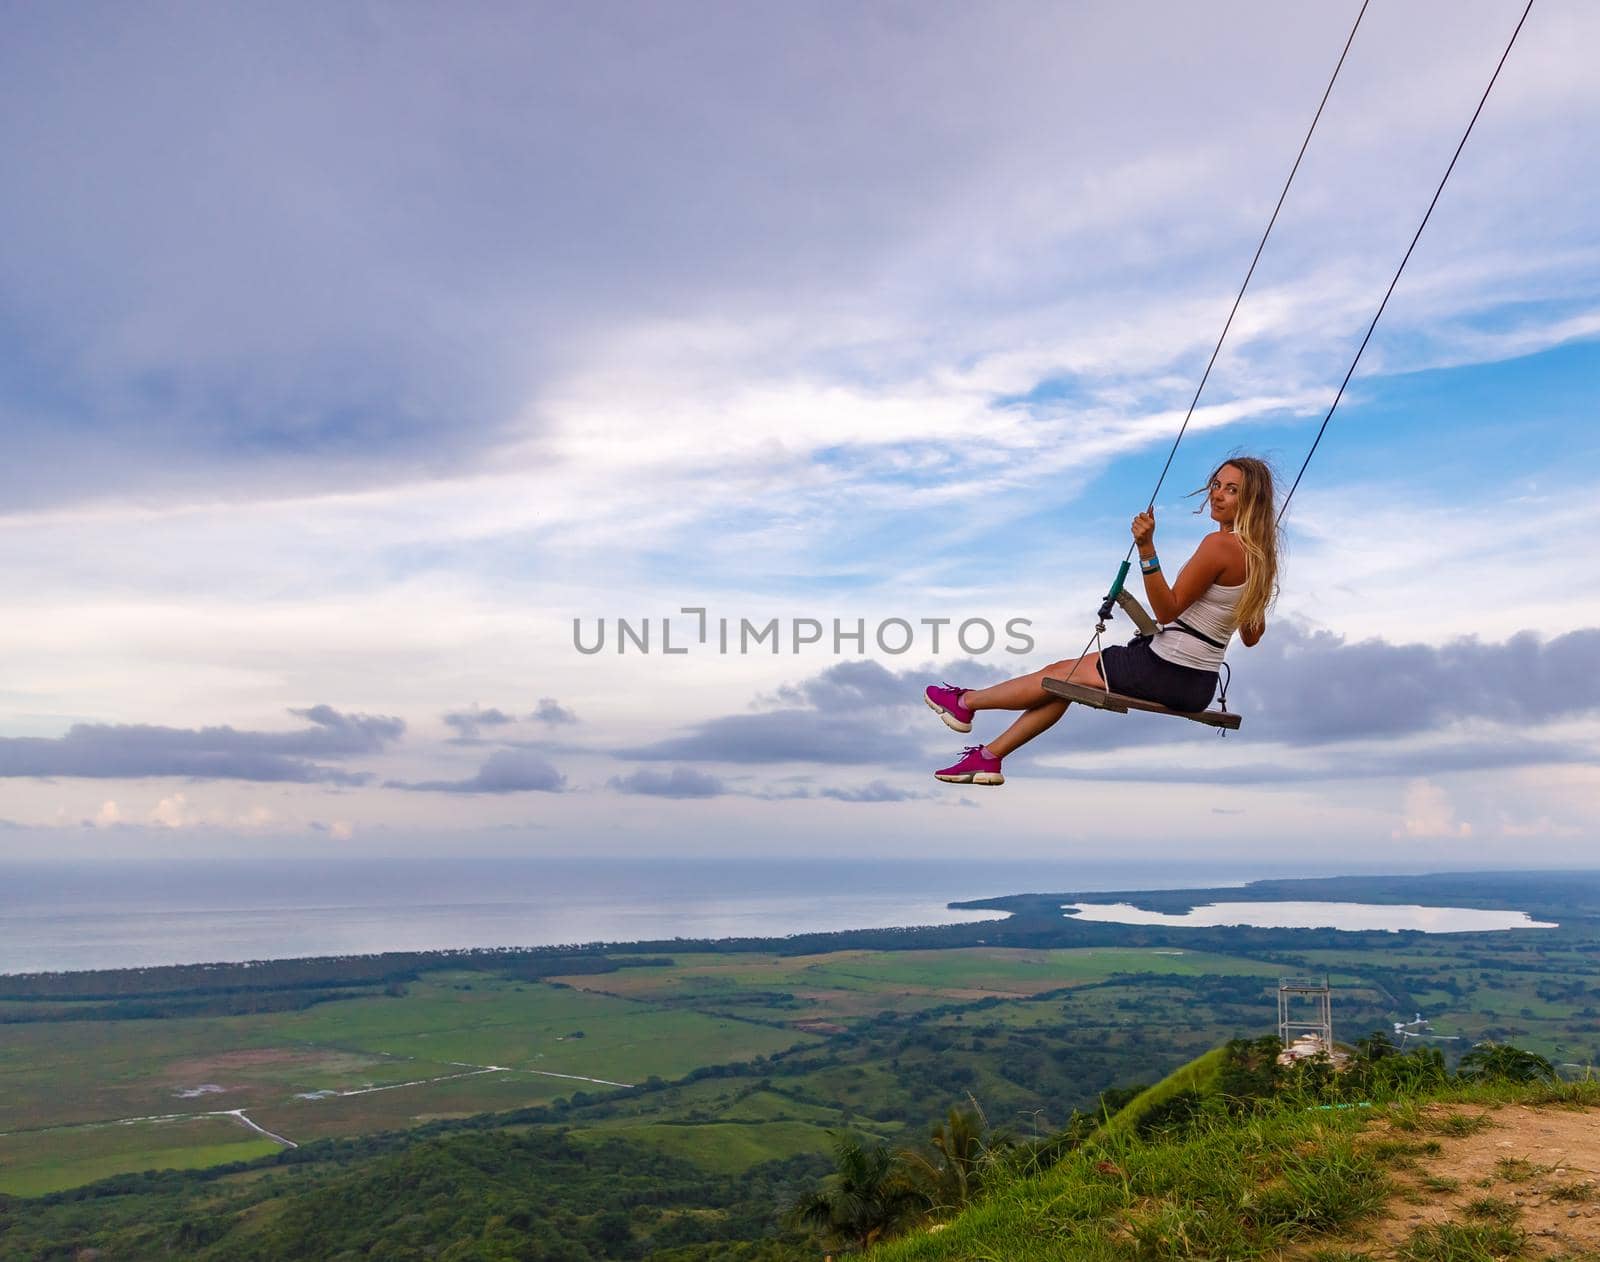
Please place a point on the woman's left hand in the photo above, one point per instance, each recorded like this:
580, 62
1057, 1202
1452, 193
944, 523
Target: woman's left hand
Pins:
1144, 529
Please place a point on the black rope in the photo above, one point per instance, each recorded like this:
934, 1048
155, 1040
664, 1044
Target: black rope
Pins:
1323, 427
1105, 605
1261, 245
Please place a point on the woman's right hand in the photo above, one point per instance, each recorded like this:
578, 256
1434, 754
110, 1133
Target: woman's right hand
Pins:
1144, 529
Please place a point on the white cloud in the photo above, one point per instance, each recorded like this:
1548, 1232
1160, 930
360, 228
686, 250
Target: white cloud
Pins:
172, 812
257, 817
1428, 813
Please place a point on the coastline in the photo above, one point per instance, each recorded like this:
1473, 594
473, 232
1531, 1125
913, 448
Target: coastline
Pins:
1031, 918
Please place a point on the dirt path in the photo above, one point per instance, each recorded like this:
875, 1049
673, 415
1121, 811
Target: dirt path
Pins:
240, 1116
1535, 1171
257, 1127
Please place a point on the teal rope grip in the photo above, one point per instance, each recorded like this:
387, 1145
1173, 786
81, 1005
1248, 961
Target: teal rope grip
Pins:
1111, 596
1116, 588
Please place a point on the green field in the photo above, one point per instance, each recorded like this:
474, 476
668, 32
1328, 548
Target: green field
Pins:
83, 1071
723, 1147
533, 1026
47, 1161
423, 1046
794, 1044
420, 1047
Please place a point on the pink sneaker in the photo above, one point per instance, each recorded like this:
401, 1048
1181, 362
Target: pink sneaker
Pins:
977, 766
946, 703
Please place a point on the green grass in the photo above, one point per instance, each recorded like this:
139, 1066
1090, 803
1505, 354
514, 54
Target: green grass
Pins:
1459, 1124
864, 1087
1199, 1074
402, 1107
975, 970
37, 1162
1413, 1115
532, 1026
767, 1106
83, 1072
1517, 1169
1493, 1209
74, 1072
59, 1176
1287, 1178
710, 1008
1003, 970
1231, 1189
1462, 1242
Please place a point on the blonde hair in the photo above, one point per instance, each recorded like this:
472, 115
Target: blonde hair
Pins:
1256, 527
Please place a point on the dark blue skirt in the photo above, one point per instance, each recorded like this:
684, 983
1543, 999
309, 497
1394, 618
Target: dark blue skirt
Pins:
1134, 670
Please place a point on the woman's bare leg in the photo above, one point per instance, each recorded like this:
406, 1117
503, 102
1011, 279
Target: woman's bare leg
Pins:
1029, 724
1027, 691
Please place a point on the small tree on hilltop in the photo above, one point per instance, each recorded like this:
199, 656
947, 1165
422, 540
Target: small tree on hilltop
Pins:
961, 1147
1501, 1062
1250, 1071
869, 1196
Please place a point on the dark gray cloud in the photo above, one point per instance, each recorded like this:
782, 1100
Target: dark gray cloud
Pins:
336, 733
680, 782
1301, 687
1298, 688
1310, 687
128, 751
506, 771
468, 723
862, 713
782, 736
856, 712
853, 685
552, 711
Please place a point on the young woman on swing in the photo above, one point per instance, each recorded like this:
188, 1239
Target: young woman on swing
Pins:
1228, 584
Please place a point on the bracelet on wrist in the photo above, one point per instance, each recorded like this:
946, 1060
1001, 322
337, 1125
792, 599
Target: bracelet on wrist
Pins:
1150, 564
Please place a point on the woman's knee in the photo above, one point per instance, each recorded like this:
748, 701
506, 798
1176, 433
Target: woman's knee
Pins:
1077, 670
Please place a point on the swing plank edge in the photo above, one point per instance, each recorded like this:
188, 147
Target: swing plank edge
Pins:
1115, 702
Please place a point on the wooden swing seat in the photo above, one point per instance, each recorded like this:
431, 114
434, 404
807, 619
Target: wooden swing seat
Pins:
1101, 699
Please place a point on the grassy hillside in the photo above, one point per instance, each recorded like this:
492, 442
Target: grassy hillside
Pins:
1198, 1076
1314, 1182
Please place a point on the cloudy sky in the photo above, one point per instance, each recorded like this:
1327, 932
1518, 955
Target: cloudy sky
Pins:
349, 354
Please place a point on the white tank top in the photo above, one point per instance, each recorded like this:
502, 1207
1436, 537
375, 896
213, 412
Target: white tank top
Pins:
1212, 615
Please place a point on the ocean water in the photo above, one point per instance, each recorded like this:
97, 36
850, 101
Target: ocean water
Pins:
83, 916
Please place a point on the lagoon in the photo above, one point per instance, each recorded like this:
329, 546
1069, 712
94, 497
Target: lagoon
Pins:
1315, 915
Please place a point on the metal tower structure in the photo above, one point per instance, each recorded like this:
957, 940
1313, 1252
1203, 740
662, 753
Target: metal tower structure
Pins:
1292, 994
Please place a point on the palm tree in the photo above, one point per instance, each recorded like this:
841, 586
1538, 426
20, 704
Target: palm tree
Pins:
1501, 1062
868, 1196
953, 1172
